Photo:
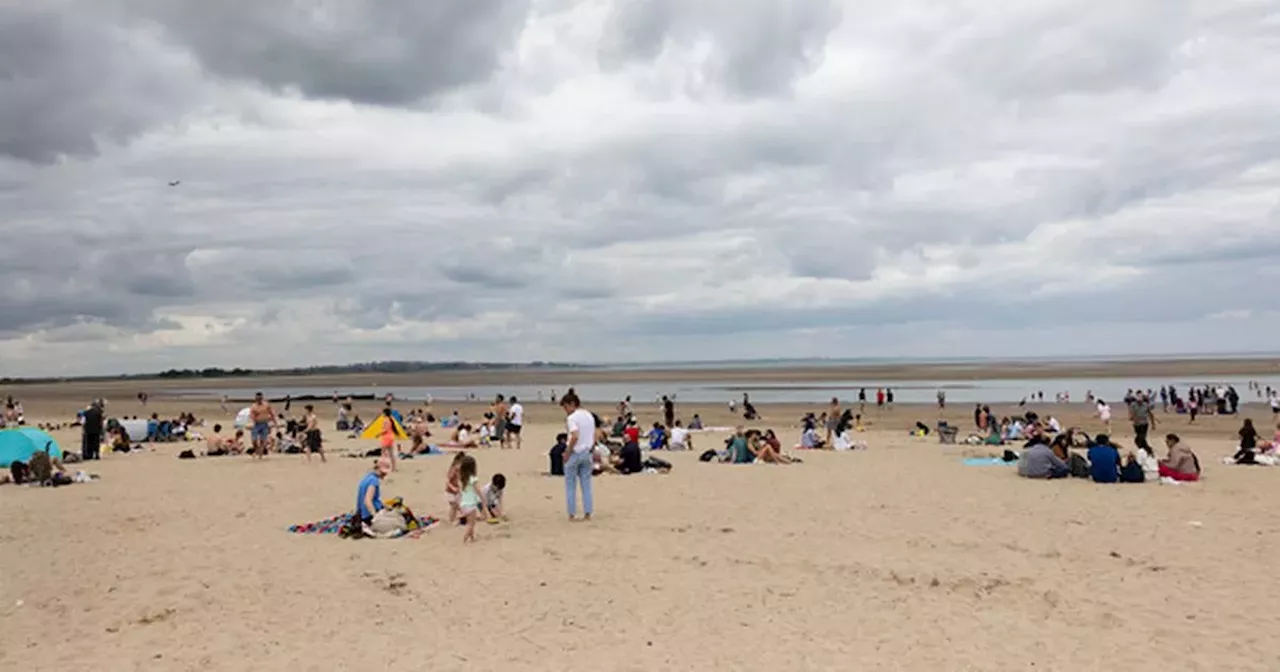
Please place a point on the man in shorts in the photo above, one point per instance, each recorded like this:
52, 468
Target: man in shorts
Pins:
499, 411
515, 422
263, 418
312, 441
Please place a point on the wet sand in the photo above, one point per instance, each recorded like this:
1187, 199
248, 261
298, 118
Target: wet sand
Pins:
898, 557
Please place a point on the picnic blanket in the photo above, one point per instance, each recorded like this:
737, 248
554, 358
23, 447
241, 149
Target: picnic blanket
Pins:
335, 524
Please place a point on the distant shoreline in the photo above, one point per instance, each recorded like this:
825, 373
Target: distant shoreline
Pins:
1262, 368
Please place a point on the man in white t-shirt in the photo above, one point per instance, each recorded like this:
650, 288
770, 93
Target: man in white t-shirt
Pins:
680, 439
515, 421
578, 464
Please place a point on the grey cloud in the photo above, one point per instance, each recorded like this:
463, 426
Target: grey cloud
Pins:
759, 48
68, 81
497, 265
1041, 51
387, 52
297, 275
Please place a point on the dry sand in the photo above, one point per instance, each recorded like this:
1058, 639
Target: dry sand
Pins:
898, 557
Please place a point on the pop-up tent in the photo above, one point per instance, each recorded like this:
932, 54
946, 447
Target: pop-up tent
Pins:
135, 429
374, 430
18, 445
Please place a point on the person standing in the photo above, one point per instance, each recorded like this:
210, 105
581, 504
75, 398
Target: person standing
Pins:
312, 440
1140, 416
669, 411
92, 440
833, 419
499, 411
263, 417
577, 469
515, 423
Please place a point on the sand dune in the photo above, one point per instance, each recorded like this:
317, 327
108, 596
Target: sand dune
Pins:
897, 557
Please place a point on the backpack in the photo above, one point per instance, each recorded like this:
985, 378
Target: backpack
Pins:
707, 456
1079, 466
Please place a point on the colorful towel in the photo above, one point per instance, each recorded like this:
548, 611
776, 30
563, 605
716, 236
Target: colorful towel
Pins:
985, 462
335, 524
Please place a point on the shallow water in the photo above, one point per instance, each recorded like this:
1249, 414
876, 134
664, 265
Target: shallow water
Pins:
712, 391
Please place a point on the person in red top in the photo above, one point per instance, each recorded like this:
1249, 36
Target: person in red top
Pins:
880, 397
632, 432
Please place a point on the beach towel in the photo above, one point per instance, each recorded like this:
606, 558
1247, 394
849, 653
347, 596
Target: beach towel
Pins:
335, 524
986, 462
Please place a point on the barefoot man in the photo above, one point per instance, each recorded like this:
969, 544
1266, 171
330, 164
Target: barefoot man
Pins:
263, 418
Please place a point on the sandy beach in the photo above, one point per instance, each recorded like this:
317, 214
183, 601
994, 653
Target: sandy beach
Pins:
897, 557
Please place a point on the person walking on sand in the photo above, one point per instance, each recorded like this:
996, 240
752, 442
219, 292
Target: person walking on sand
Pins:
263, 418
577, 469
1140, 416
312, 440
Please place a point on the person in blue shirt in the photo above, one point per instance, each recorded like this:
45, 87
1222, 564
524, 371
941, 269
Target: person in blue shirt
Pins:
369, 492
1104, 460
657, 437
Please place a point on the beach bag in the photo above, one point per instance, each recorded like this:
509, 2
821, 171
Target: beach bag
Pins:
1132, 473
388, 523
1079, 466
187, 455
707, 456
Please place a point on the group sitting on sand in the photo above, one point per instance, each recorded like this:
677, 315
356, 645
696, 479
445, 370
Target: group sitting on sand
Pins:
1052, 460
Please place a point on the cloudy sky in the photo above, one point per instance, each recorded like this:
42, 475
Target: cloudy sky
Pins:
602, 180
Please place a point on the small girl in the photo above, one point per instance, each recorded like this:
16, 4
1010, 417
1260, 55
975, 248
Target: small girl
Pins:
453, 486
471, 500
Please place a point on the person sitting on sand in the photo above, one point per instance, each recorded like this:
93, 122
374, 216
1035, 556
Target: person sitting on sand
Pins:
215, 444
809, 439
762, 451
657, 437
1248, 444
680, 438
695, 424
1104, 461
120, 441
1039, 461
557, 454
739, 453
492, 500
369, 496
462, 438
629, 459
1181, 464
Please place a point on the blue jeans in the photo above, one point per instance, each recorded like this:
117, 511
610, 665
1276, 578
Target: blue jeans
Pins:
577, 469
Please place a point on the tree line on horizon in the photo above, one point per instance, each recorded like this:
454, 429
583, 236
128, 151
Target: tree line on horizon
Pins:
321, 370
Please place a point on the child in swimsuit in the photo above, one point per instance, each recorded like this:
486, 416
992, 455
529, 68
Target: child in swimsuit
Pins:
470, 502
453, 486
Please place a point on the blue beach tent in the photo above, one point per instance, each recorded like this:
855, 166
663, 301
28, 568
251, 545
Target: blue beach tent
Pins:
20, 444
